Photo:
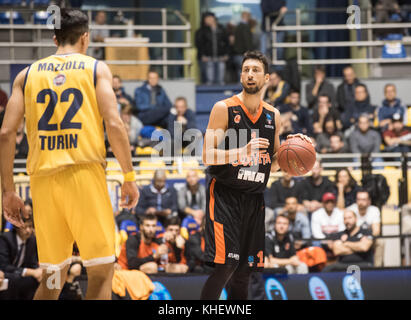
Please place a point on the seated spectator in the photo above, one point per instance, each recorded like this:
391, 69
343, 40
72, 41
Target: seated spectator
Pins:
390, 106
397, 139
22, 146
132, 124
299, 224
352, 246
300, 117
364, 139
176, 262
142, 251
19, 262
182, 116
3, 104
323, 111
311, 189
152, 103
192, 198
346, 90
212, 43
385, 11
286, 126
194, 251
338, 144
327, 220
347, 188
330, 129
361, 105
158, 198
99, 35
122, 97
280, 190
275, 92
319, 86
279, 248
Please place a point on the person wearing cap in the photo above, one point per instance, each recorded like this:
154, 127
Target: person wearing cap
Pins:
328, 219
398, 138
352, 246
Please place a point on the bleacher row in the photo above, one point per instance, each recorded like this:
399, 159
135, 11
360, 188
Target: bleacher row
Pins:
24, 3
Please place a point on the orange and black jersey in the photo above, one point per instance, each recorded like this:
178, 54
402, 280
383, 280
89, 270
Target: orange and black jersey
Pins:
249, 174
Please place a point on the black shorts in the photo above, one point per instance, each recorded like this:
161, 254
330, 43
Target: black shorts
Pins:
235, 229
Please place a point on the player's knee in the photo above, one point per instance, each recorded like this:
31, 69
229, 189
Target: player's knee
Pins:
75, 270
149, 267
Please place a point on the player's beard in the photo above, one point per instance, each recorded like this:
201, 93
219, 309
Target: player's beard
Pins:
252, 90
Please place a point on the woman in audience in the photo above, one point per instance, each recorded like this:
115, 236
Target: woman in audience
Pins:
329, 129
347, 188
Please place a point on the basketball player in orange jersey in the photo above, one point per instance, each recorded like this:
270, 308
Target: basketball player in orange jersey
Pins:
65, 99
236, 179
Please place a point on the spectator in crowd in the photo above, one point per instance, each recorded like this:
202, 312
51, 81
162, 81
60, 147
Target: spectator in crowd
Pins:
182, 116
243, 40
3, 104
330, 129
279, 248
152, 103
176, 246
142, 251
22, 146
311, 189
158, 198
212, 44
346, 90
280, 190
19, 262
397, 139
347, 188
338, 145
361, 105
299, 224
287, 127
192, 197
352, 246
384, 10
194, 251
319, 86
122, 97
327, 220
300, 116
132, 124
270, 11
99, 35
324, 110
390, 106
364, 139
276, 90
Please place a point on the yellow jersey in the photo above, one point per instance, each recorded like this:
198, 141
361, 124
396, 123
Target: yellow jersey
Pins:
63, 121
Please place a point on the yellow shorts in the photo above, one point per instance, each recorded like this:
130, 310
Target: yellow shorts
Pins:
73, 205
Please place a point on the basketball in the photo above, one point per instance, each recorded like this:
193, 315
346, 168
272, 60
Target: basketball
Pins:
296, 156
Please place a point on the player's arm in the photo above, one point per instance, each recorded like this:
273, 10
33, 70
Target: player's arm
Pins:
12, 204
116, 133
215, 134
274, 165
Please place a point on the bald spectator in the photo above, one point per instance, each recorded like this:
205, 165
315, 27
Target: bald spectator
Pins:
192, 197
352, 246
158, 198
346, 90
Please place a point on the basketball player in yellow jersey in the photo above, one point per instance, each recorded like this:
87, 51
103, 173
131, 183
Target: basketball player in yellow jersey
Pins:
65, 99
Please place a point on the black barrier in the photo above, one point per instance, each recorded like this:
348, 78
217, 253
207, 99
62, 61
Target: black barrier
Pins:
381, 284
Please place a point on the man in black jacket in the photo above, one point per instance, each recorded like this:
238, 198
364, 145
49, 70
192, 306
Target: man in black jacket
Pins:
18, 261
346, 89
212, 44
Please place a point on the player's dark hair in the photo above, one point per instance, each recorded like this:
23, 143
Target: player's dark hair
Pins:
256, 55
173, 221
73, 24
329, 117
148, 217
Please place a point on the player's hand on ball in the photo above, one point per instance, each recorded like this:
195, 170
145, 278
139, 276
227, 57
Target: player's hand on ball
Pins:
254, 146
129, 195
300, 135
13, 207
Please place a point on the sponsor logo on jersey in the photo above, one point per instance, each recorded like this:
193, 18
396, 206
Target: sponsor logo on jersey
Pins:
248, 175
59, 80
235, 256
237, 118
253, 160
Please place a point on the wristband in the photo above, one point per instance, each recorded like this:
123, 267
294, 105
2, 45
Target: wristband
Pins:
129, 176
